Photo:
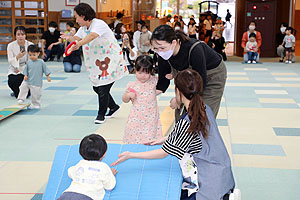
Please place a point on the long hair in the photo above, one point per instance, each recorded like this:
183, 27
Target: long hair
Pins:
166, 33
130, 38
190, 85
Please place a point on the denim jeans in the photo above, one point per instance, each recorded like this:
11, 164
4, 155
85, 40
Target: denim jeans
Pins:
68, 67
252, 55
57, 49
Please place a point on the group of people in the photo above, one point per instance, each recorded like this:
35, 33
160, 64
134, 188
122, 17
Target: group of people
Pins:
200, 76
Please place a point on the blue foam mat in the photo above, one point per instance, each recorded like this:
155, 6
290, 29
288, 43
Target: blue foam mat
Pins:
136, 178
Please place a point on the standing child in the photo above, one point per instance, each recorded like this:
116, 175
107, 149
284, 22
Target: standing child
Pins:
33, 77
251, 45
289, 44
144, 40
90, 177
143, 123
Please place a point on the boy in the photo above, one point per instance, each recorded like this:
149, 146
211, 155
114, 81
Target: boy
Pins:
144, 40
289, 44
90, 177
251, 48
33, 77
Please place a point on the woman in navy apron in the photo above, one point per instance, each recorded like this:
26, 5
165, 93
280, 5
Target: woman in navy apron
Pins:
197, 143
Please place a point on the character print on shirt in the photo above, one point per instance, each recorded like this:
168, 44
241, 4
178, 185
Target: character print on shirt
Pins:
103, 66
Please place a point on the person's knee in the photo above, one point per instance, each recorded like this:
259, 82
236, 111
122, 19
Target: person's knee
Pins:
60, 46
76, 68
67, 67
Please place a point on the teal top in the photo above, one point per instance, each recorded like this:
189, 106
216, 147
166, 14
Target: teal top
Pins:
35, 70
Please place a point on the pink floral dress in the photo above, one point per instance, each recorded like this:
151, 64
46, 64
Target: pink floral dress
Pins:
143, 123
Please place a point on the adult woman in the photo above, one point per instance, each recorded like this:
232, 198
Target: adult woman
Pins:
72, 63
179, 52
197, 143
17, 58
129, 51
192, 28
245, 39
102, 55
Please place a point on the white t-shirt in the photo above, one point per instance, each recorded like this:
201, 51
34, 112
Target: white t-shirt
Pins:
136, 38
91, 178
208, 24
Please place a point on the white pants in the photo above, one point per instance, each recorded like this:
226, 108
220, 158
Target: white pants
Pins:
36, 93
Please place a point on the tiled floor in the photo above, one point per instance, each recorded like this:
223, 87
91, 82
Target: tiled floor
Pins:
259, 121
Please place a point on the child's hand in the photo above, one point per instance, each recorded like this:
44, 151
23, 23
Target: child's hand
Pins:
131, 95
114, 171
25, 78
169, 76
48, 79
173, 103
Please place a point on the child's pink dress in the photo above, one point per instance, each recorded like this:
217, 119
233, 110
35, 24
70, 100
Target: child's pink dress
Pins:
143, 123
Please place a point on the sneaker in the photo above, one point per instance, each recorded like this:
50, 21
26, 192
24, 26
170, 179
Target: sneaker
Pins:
290, 62
112, 112
249, 61
286, 62
20, 101
99, 120
236, 195
254, 62
36, 107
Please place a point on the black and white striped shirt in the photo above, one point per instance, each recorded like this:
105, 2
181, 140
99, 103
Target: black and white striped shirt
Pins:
180, 141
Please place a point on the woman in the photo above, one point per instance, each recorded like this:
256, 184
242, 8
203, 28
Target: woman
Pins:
17, 58
102, 56
129, 51
245, 39
197, 143
119, 30
178, 52
192, 28
72, 63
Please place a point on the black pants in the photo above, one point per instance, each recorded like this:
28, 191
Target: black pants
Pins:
14, 82
105, 99
57, 49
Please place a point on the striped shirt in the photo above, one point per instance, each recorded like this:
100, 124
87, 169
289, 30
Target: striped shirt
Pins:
180, 141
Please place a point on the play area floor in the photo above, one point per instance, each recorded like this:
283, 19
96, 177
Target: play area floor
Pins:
259, 120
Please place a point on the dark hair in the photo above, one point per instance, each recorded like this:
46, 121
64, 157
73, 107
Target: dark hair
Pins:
130, 38
34, 48
144, 25
20, 28
92, 147
144, 63
71, 24
290, 29
53, 24
284, 24
166, 33
252, 22
84, 9
190, 84
177, 24
252, 35
119, 15
118, 32
191, 23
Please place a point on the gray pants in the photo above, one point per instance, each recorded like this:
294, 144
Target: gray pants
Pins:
73, 196
213, 92
36, 93
281, 53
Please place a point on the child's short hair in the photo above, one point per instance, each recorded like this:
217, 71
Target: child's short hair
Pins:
290, 29
71, 24
252, 35
92, 147
34, 48
144, 25
144, 63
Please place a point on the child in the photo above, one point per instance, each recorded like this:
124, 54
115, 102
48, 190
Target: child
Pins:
143, 123
251, 45
90, 177
289, 44
33, 77
144, 40
218, 42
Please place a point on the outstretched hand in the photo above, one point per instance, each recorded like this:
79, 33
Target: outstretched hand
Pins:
122, 157
156, 142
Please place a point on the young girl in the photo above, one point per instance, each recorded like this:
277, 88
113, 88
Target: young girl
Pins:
143, 123
289, 44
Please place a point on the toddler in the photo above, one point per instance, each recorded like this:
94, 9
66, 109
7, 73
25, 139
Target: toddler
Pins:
33, 77
289, 44
144, 40
251, 45
90, 177
143, 123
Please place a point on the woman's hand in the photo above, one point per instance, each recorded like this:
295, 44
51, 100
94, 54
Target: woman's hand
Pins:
169, 76
114, 171
173, 103
156, 142
64, 36
122, 157
76, 46
21, 54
